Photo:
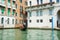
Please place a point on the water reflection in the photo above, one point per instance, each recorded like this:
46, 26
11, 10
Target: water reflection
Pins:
16, 34
58, 35
13, 34
21, 35
7, 34
1, 34
41, 35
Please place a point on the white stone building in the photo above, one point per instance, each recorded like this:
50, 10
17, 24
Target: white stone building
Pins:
7, 22
40, 13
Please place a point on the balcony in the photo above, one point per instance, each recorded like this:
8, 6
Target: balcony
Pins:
42, 6
14, 0
2, 3
2, 14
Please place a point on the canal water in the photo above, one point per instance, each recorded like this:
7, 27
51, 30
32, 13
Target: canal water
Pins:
30, 34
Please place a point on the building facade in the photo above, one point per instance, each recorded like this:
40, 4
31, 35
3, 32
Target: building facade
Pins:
20, 12
10, 13
40, 13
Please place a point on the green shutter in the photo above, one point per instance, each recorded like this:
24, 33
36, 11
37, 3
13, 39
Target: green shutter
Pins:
9, 1
13, 3
8, 11
13, 12
2, 10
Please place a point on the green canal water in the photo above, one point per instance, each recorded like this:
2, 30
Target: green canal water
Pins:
30, 34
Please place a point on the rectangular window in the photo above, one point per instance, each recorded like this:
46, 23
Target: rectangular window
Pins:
9, 11
21, 1
30, 3
57, 1
37, 13
37, 2
15, 14
12, 21
21, 8
41, 13
41, 1
50, 11
16, 5
21, 15
30, 14
25, 3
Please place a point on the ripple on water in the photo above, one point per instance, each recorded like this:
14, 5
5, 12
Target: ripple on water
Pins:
41, 35
30, 34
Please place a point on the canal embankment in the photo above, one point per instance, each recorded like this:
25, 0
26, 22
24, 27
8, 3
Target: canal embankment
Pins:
42, 28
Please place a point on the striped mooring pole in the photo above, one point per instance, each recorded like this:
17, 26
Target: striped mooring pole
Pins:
52, 28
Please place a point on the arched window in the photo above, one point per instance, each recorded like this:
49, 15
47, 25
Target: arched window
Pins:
8, 21
2, 20
12, 21
16, 21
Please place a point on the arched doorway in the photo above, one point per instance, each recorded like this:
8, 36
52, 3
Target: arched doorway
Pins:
58, 19
8, 21
2, 20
